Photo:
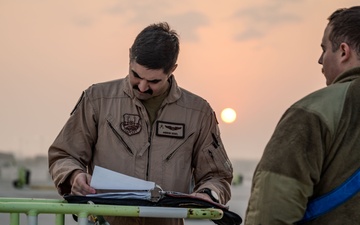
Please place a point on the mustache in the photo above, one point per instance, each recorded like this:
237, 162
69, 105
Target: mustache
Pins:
149, 91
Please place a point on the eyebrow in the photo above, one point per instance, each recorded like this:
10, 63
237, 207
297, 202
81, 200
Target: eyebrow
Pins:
137, 75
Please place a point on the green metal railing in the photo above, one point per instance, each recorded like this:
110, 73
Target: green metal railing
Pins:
32, 207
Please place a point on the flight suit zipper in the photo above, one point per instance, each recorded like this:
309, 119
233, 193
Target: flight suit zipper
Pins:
120, 138
173, 152
148, 161
147, 122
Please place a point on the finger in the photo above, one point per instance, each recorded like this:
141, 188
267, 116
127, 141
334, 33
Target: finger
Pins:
90, 190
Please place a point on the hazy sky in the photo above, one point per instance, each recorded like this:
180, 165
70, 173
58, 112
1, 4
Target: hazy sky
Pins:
255, 56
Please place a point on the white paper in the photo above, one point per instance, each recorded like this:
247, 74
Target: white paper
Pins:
144, 195
110, 180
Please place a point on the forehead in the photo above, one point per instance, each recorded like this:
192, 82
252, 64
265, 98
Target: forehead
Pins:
145, 73
327, 32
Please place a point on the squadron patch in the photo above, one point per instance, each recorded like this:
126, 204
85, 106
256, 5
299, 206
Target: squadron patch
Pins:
167, 129
131, 124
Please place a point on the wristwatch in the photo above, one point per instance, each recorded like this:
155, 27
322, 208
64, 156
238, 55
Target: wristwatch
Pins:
212, 194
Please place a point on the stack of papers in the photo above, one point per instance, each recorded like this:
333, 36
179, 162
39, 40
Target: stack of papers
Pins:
120, 186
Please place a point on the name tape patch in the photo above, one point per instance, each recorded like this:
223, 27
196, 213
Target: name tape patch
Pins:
168, 129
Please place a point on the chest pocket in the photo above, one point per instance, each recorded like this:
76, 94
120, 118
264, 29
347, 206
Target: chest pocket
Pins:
129, 133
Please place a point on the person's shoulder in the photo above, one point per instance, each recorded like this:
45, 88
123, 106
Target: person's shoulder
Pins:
328, 96
107, 88
326, 103
107, 84
192, 100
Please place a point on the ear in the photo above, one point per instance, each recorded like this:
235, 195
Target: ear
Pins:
174, 68
345, 52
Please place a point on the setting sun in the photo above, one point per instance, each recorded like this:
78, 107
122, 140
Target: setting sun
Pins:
228, 115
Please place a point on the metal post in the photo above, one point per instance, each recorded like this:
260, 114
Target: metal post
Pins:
32, 220
14, 218
82, 221
60, 219
165, 212
34, 207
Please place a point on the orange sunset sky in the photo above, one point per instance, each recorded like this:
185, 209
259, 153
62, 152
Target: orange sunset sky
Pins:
255, 56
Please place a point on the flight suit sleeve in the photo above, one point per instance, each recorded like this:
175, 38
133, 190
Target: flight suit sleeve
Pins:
72, 148
212, 167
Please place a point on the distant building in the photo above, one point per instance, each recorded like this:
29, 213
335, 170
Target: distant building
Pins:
38, 165
8, 166
7, 160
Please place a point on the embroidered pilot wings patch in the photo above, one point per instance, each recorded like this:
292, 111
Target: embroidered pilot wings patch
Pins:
167, 129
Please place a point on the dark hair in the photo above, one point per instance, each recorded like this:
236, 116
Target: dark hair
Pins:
156, 47
345, 24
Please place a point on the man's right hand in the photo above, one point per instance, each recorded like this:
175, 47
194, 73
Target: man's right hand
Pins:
80, 184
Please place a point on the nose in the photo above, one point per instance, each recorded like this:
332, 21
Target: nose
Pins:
320, 60
143, 86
